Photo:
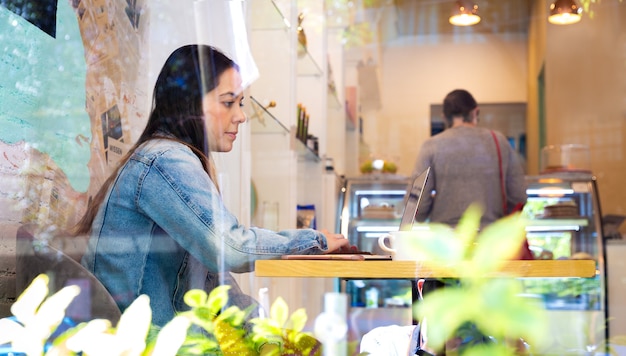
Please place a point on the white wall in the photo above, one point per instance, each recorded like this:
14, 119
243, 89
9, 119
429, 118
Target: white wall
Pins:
418, 71
585, 90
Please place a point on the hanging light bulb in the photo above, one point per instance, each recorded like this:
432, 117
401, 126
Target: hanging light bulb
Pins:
564, 12
464, 13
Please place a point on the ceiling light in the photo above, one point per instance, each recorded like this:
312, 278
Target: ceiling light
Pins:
564, 12
464, 13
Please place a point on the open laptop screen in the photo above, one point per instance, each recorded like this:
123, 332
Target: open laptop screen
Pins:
412, 200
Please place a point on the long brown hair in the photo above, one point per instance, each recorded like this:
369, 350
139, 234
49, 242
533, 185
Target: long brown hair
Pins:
188, 74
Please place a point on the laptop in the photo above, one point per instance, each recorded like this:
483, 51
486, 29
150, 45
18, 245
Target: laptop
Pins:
411, 200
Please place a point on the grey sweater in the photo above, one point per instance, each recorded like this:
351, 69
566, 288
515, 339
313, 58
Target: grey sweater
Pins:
464, 169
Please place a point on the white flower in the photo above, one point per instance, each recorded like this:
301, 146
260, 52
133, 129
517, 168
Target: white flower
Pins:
129, 338
134, 325
37, 317
26, 305
171, 337
9, 329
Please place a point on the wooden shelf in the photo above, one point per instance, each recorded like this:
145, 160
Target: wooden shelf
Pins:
413, 269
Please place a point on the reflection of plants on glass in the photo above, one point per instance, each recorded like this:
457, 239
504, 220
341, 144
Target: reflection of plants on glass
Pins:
39, 326
358, 34
586, 5
535, 207
583, 290
551, 245
493, 305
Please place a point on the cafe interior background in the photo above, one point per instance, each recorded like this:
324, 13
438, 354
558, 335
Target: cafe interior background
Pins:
76, 84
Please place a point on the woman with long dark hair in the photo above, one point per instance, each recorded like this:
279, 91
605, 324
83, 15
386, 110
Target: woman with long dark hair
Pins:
158, 225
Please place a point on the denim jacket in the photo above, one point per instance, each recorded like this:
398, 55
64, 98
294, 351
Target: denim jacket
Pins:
163, 229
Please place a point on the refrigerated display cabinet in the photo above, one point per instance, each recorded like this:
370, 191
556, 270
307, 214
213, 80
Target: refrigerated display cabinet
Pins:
368, 207
565, 223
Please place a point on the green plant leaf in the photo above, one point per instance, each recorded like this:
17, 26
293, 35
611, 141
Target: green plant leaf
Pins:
444, 311
231, 339
267, 327
489, 350
436, 242
200, 316
505, 312
195, 298
467, 228
279, 311
498, 243
199, 344
200, 349
492, 306
218, 298
297, 320
306, 344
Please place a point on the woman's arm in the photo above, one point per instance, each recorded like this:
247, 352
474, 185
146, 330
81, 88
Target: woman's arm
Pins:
179, 196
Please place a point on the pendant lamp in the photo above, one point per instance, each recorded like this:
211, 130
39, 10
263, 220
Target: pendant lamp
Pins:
464, 13
564, 12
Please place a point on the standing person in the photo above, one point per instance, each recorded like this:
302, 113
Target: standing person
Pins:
465, 166
158, 225
465, 169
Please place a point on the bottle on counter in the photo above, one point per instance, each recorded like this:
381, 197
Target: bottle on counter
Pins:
371, 297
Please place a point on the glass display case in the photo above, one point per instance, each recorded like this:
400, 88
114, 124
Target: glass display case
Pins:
564, 215
368, 207
565, 223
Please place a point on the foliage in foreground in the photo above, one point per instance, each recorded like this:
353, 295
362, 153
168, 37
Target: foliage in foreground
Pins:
206, 329
475, 306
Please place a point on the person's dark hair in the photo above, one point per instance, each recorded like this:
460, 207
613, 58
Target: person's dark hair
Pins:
458, 102
188, 74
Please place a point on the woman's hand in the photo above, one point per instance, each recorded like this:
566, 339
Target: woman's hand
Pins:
337, 243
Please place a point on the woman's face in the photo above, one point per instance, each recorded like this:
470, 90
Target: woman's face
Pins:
223, 111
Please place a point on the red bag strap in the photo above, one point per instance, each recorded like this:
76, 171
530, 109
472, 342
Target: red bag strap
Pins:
504, 205
524, 253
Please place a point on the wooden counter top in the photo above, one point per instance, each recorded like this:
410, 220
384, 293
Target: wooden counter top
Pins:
414, 269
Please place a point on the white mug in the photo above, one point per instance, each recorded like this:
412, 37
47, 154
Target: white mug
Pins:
399, 245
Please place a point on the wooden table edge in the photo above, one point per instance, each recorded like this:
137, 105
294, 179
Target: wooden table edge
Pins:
418, 269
